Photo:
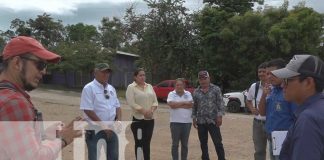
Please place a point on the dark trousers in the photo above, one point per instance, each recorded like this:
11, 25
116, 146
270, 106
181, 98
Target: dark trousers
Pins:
216, 136
142, 132
92, 140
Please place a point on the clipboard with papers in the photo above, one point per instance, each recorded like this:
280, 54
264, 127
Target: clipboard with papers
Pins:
277, 139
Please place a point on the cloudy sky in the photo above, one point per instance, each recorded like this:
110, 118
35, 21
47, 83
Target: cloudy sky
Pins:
92, 11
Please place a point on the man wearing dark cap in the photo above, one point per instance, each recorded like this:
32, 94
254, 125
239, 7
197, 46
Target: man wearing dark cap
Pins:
303, 84
207, 113
24, 64
101, 108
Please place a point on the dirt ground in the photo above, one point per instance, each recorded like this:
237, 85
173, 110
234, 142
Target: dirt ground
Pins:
236, 129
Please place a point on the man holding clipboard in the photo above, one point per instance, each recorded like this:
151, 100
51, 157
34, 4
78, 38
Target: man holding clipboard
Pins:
278, 111
303, 84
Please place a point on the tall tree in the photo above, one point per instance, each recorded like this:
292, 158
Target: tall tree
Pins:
299, 32
20, 27
112, 32
165, 39
82, 32
46, 30
234, 6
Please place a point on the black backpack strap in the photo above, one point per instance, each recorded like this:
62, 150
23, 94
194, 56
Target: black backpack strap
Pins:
257, 86
7, 85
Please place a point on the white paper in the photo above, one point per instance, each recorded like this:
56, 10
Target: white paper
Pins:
277, 139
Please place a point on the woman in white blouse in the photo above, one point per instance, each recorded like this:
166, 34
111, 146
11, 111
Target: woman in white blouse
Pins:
141, 98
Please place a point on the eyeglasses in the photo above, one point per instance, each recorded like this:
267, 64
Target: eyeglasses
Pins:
203, 78
106, 94
40, 65
38, 115
286, 80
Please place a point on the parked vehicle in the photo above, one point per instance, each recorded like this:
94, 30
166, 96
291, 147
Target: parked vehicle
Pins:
235, 101
163, 88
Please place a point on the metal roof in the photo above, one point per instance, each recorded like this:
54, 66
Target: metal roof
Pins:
127, 54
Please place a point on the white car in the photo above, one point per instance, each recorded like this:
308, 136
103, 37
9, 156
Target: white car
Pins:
235, 101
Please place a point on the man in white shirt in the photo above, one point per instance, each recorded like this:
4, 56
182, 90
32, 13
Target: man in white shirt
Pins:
252, 101
101, 107
180, 102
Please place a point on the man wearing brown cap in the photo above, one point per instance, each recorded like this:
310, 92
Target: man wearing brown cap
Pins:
207, 113
24, 64
303, 84
101, 108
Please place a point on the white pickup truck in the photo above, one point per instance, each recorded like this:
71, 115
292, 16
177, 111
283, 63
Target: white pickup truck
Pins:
235, 101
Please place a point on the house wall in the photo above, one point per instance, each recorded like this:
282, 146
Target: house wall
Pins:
123, 67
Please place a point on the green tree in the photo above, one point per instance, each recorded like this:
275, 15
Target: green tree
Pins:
2, 44
82, 32
165, 39
234, 6
112, 33
299, 32
48, 31
20, 27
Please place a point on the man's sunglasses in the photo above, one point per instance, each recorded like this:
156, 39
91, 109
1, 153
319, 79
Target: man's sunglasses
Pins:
287, 80
202, 78
106, 94
40, 65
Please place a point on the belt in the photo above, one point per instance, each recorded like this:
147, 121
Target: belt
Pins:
259, 121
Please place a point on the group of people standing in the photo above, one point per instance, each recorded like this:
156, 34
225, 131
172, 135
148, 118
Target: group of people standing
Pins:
24, 63
288, 97
203, 110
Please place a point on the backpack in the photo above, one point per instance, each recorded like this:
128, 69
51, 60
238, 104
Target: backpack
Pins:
257, 86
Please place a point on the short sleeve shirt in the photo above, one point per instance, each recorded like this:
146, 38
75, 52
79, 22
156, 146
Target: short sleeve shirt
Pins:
251, 97
180, 115
93, 98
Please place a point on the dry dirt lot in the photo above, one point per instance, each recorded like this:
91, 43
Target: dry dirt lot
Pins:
236, 129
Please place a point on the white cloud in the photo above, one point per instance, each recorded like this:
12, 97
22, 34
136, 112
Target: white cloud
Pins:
274, 3
59, 7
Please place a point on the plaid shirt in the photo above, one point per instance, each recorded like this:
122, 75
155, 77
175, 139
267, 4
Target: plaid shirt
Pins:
20, 138
207, 106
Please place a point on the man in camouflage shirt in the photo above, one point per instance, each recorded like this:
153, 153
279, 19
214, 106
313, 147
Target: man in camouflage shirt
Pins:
207, 113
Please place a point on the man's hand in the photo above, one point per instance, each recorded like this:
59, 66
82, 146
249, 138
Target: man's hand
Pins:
254, 111
194, 123
68, 133
219, 121
266, 89
108, 132
52, 130
188, 104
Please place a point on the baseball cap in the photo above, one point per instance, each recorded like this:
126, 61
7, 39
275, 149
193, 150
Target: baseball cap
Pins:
203, 74
307, 65
102, 66
21, 45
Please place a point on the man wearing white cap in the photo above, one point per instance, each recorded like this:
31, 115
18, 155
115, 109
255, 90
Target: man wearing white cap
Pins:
303, 84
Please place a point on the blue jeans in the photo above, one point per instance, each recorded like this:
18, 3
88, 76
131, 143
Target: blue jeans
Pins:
92, 141
259, 139
180, 132
216, 136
